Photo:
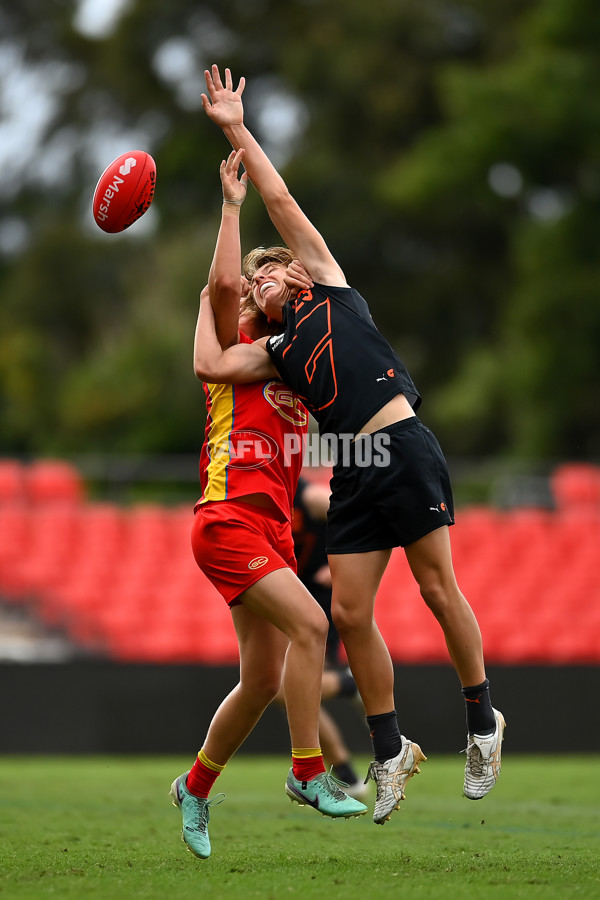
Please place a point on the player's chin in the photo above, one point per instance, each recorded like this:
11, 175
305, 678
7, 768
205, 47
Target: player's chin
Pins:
272, 305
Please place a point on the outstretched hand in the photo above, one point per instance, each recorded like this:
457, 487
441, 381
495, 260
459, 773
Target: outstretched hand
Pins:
223, 105
234, 190
296, 278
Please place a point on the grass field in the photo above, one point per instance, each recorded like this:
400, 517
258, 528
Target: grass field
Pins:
74, 827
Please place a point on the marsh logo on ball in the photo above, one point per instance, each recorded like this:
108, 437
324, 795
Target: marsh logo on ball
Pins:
285, 402
258, 562
127, 166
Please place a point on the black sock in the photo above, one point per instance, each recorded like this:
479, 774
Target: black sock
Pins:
385, 735
480, 715
347, 684
345, 772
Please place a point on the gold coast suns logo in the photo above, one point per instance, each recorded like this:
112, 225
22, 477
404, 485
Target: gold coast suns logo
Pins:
258, 562
285, 402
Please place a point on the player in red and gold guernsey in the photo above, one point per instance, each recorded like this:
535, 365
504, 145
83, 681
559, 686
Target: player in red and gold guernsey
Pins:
242, 540
390, 484
253, 440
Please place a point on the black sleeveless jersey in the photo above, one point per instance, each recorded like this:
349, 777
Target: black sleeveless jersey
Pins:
333, 356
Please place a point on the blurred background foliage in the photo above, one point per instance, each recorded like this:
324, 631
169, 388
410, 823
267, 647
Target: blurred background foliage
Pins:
449, 152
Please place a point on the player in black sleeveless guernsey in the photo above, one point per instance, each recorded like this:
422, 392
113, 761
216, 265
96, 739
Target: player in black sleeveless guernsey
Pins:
390, 485
331, 350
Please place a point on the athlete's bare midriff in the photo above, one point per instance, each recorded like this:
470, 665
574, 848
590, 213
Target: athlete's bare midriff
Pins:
395, 410
262, 500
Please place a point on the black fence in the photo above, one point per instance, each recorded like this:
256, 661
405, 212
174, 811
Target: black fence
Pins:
97, 707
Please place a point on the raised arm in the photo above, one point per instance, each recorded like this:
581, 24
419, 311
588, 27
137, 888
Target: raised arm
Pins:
238, 364
224, 279
224, 106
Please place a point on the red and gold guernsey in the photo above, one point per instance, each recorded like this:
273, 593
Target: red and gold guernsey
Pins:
254, 442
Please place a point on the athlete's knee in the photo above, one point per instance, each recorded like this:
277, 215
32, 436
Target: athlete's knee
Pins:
440, 597
350, 620
311, 628
318, 626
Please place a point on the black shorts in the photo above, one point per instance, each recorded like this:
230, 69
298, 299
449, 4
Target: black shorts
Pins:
390, 490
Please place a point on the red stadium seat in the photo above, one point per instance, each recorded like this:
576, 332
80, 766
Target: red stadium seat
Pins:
123, 581
576, 485
12, 482
53, 480
15, 528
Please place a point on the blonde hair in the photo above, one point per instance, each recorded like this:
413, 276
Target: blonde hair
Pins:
263, 255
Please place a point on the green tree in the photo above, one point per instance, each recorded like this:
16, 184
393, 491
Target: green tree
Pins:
511, 178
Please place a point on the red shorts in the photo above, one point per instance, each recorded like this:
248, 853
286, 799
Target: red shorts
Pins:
236, 544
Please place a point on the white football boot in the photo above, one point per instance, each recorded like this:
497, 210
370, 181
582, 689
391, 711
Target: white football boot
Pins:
484, 758
391, 776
